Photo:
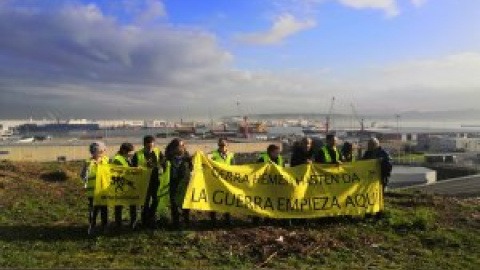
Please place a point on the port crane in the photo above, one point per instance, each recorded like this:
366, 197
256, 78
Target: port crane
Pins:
329, 115
361, 121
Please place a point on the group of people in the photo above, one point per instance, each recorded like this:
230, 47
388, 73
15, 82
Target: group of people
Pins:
304, 153
176, 163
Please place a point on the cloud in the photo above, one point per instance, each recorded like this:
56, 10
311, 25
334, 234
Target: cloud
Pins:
288, 24
78, 60
389, 6
75, 52
81, 43
309, 7
284, 26
154, 9
449, 72
445, 83
419, 3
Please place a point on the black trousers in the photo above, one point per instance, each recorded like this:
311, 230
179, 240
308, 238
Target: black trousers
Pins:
93, 213
151, 201
118, 214
175, 208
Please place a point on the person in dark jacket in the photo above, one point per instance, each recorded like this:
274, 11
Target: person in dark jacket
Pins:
179, 164
347, 152
375, 151
302, 152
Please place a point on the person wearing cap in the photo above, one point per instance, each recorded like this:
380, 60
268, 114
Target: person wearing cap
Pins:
124, 158
150, 157
222, 155
329, 154
89, 175
375, 151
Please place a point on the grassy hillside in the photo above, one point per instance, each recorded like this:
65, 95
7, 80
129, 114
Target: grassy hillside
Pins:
43, 224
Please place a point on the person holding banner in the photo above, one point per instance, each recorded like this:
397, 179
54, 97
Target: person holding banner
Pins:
348, 152
179, 165
302, 152
124, 158
150, 157
272, 155
222, 155
375, 151
89, 175
329, 153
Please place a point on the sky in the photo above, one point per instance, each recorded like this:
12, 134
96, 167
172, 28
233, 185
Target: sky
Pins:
170, 59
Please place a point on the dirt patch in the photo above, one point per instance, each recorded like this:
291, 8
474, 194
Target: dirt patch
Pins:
55, 176
262, 242
7, 166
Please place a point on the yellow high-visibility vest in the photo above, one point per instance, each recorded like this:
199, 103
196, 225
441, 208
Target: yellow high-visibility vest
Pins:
142, 162
328, 158
121, 159
216, 156
266, 158
92, 174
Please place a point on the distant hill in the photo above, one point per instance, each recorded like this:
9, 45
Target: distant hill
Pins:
457, 115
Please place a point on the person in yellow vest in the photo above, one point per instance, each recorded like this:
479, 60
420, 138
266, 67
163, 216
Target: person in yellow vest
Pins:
150, 157
222, 155
272, 155
179, 165
89, 175
329, 154
124, 158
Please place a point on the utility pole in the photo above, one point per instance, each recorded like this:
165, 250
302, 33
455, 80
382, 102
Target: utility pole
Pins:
239, 113
397, 116
211, 118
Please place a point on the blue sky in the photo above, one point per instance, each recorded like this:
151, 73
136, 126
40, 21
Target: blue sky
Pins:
274, 55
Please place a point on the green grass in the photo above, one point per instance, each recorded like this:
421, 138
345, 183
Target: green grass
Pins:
43, 225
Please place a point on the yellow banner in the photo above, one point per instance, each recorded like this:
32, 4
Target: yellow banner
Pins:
118, 185
305, 191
